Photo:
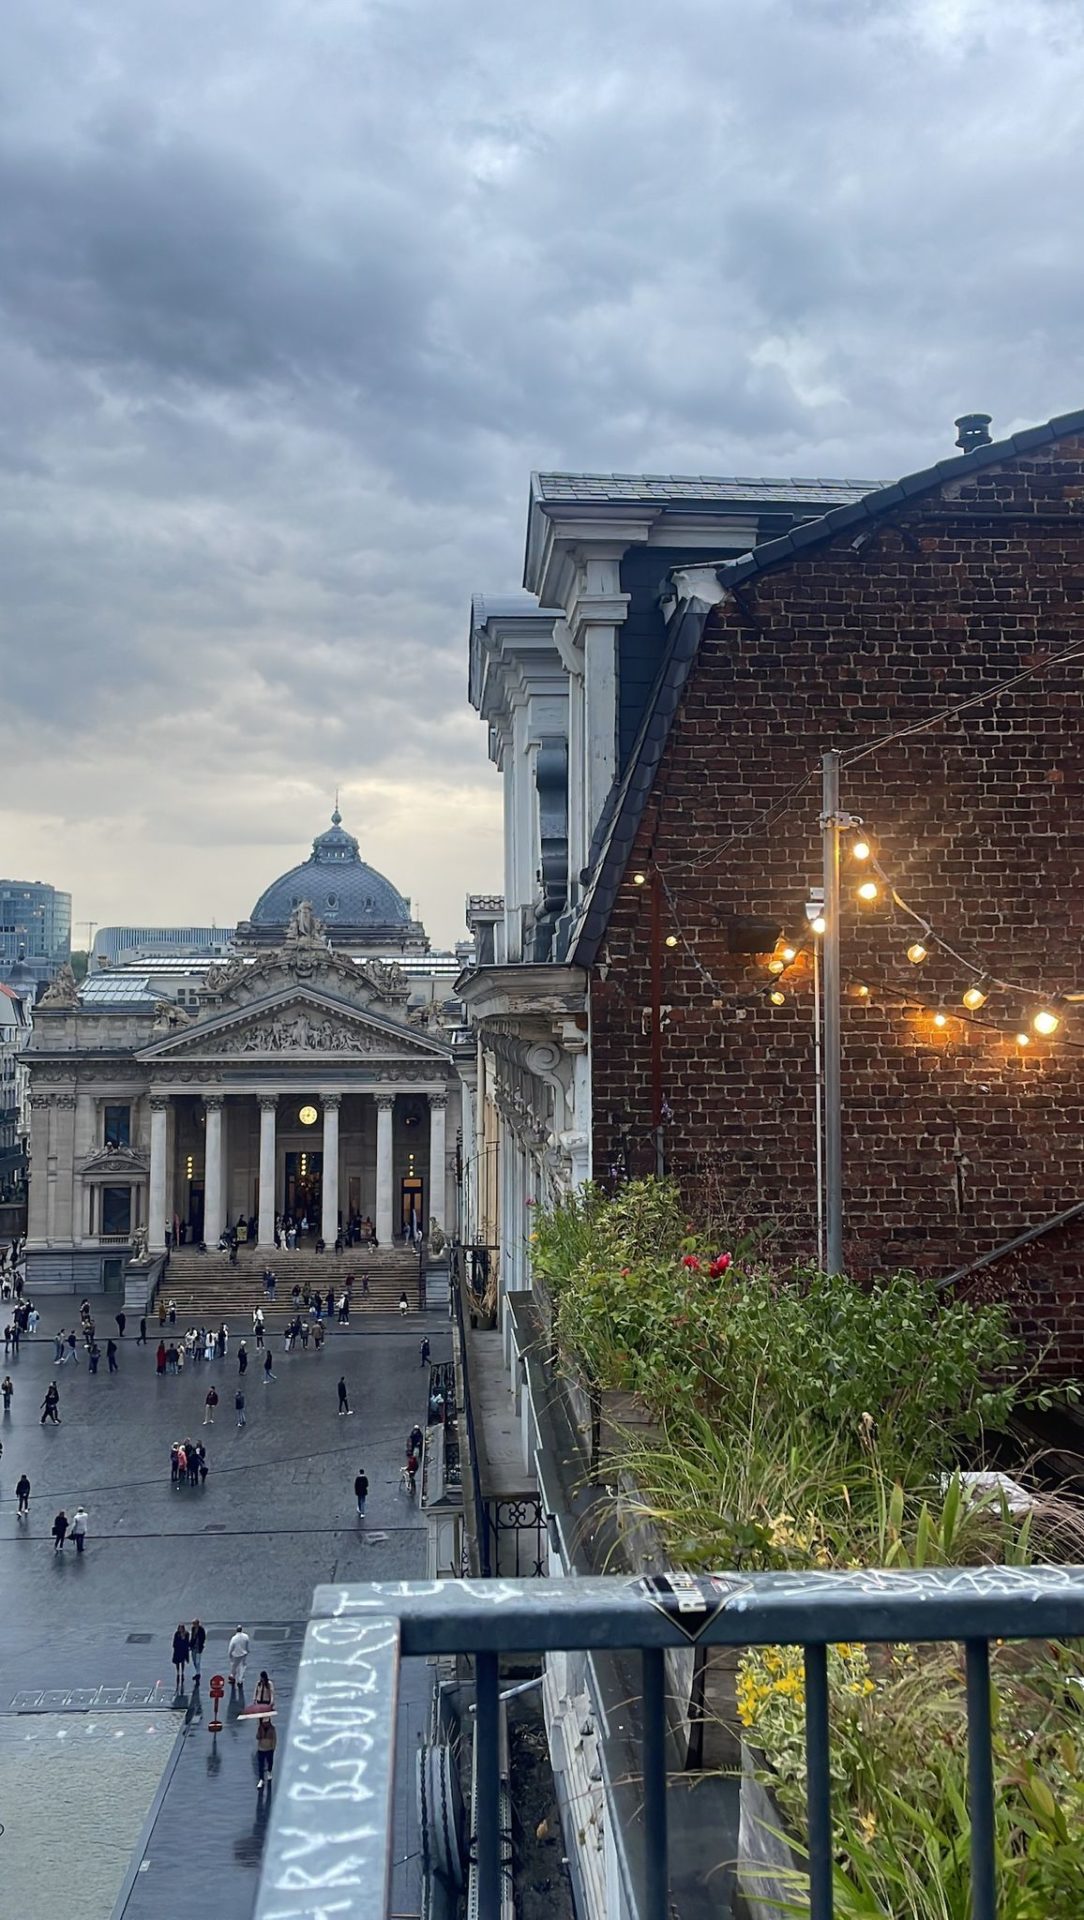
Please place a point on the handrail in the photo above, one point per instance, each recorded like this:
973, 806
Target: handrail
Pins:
1013, 1246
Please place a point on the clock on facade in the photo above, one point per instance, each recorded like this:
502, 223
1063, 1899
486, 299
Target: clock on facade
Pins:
308, 1116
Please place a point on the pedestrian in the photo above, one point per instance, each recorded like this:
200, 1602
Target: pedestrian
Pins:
73, 1348
344, 1311
404, 1307
239, 1403
223, 1340
425, 1351
197, 1640
51, 1404
180, 1351
266, 1742
161, 1311
305, 1335
414, 1444
242, 1358
330, 1302
365, 1286
160, 1357
60, 1528
7, 1388
201, 1456
22, 1494
122, 1322
361, 1490
238, 1656
208, 1345
142, 1341
171, 1313
182, 1648
264, 1693
79, 1527
268, 1375
182, 1466
318, 1335
111, 1355
94, 1356
193, 1462
344, 1404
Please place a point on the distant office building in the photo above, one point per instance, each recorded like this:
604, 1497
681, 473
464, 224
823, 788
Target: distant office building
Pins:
130, 946
35, 929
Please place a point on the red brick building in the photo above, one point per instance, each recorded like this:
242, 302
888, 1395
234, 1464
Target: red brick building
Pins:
956, 1139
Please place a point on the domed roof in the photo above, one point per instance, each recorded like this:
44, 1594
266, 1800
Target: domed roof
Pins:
343, 891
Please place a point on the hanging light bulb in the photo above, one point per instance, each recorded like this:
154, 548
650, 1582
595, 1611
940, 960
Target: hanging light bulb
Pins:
777, 997
940, 1020
975, 997
861, 849
862, 990
818, 923
1023, 1039
638, 879
1045, 1022
671, 939
789, 954
868, 890
776, 966
916, 953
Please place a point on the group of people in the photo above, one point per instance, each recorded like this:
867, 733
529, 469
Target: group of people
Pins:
198, 1343
25, 1319
187, 1464
188, 1648
63, 1528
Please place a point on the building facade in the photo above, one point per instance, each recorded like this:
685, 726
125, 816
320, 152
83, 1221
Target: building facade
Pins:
35, 929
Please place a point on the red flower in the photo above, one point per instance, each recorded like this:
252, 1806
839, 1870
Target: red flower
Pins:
625, 1271
691, 1260
719, 1265
529, 1203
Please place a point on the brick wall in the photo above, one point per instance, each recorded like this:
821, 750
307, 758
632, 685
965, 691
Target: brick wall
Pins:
953, 1140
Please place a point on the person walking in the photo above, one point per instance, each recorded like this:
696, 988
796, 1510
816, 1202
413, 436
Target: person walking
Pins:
424, 1350
238, 1656
122, 1322
404, 1306
266, 1742
197, 1640
268, 1371
60, 1529
344, 1403
239, 1403
22, 1494
171, 1313
160, 1357
142, 1341
111, 1355
242, 1358
344, 1310
79, 1527
7, 1388
209, 1405
182, 1648
94, 1356
73, 1348
51, 1404
264, 1693
361, 1490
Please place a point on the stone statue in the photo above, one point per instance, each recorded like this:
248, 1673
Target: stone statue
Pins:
168, 1016
63, 991
303, 928
139, 1244
438, 1239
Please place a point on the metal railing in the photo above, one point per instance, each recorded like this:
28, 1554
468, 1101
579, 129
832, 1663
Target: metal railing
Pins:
328, 1848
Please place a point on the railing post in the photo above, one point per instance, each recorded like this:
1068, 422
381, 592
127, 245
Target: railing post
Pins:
980, 1781
487, 1786
656, 1856
818, 1784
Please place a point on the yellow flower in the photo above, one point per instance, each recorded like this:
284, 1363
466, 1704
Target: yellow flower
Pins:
868, 1824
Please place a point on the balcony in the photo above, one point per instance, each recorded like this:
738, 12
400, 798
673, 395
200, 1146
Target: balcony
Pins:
328, 1847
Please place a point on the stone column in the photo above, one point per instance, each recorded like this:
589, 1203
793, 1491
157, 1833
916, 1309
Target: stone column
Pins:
265, 1225
156, 1186
385, 1106
212, 1168
438, 1172
329, 1186
37, 1224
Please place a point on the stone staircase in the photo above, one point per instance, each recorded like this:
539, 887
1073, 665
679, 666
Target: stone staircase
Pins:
208, 1290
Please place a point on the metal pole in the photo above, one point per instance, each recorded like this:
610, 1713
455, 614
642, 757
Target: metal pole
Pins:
656, 1024
833, 1131
818, 1100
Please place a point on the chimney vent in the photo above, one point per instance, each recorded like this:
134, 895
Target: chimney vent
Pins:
973, 430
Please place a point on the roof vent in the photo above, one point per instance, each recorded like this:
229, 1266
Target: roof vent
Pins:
973, 430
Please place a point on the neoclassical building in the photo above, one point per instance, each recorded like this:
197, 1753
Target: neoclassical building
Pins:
301, 1085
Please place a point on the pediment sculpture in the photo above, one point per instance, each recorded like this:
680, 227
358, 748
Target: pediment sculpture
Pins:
63, 990
301, 1033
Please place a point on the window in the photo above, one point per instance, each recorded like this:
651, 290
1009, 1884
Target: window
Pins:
118, 1126
116, 1209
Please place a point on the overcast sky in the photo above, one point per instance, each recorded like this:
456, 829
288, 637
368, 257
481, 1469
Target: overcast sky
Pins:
295, 293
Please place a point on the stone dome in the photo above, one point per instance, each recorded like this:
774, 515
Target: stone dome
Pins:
343, 891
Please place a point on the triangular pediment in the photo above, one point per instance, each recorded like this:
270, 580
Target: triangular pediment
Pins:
298, 1023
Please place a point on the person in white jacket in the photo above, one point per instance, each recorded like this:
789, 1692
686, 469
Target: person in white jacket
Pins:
238, 1652
78, 1528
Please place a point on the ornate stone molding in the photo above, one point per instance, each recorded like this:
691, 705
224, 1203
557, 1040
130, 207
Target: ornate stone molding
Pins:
385, 1102
331, 1102
160, 1102
66, 1102
437, 1100
213, 1100
267, 1102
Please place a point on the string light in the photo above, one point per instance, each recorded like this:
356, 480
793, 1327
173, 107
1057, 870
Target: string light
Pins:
1045, 1022
917, 953
777, 966
974, 998
940, 1020
638, 879
671, 939
861, 850
777, 997
869, 890
818, 923
861, 991
789, 954
1023, 1039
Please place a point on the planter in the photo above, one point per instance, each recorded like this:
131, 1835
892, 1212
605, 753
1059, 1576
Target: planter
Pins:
765, 1859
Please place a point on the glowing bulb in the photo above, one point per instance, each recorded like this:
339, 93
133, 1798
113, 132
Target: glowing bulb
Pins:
1023, 1039
777, 997
638, 879
861, 849
1046, 1022
671, 940
868, 890
862, 990
939, 1020
974, 998
818, 923
789, 954
916, 953
776, 966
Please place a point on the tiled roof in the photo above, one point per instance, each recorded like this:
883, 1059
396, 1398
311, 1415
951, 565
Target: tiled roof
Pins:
676, 489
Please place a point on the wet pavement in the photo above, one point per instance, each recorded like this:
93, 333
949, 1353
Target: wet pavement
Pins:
85, 1641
